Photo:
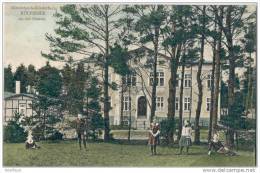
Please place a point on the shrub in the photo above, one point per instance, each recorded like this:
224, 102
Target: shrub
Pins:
250, 124
56, 135
14, 132
119, 127
96, 125
167, 126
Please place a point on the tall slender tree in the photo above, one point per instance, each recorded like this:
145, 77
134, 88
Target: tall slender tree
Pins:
177, 34
217, 71
199, 80
232, 28
85, 33
249, 42
149, 20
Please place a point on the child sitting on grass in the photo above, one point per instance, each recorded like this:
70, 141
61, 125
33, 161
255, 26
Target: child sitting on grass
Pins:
218, 147
30, 143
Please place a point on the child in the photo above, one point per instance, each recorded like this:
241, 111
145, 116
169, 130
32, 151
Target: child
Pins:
81, 130
185, 140
30, 143
154, 137
216, 145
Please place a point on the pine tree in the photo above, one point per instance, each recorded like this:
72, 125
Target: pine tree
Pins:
86, 32
48, 104
21, 75
8, 79
148, 20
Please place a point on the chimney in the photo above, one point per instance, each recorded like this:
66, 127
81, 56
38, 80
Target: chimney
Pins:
17, 87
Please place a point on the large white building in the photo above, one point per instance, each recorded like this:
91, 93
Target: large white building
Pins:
138, 99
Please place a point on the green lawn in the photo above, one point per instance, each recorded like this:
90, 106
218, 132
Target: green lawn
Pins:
143, 134
67, 153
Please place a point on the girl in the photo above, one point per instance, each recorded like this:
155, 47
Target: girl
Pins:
185, 140
154, 137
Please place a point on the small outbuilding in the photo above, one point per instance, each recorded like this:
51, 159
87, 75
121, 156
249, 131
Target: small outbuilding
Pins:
21, 103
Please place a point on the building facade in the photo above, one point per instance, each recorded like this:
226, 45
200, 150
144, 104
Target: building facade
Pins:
136, 100
17, 102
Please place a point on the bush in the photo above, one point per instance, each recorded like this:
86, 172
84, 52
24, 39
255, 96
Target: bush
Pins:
119, 127
56, 136
250, 124
14, 132
167, 126
38, 133
96, 125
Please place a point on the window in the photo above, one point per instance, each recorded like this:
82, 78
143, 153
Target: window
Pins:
159, 79
187, 103
159, 103
176, 103
209, 81
22, 108
187, 80
130, 80
177, 80
127, 103
208, 104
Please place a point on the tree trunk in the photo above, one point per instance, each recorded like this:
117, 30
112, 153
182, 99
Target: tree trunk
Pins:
44, 125
181, 98
122, 102
212, 87
130, 113
190, 92
153, 107
106, 99
231, 78
87, 114
217, 76
248, 104
172, 89
199, 81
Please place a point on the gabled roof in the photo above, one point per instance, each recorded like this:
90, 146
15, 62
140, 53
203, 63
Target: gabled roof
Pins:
9, 95
144, 48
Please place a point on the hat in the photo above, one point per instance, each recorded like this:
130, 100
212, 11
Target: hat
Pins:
79, 116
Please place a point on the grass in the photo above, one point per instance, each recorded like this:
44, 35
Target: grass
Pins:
143, 134
67, 153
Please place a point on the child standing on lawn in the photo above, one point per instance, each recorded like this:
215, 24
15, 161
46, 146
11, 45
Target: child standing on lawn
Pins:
153, 140
81, 130
186, 135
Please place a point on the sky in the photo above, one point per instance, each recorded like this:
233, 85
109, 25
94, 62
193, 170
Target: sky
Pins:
24, 33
